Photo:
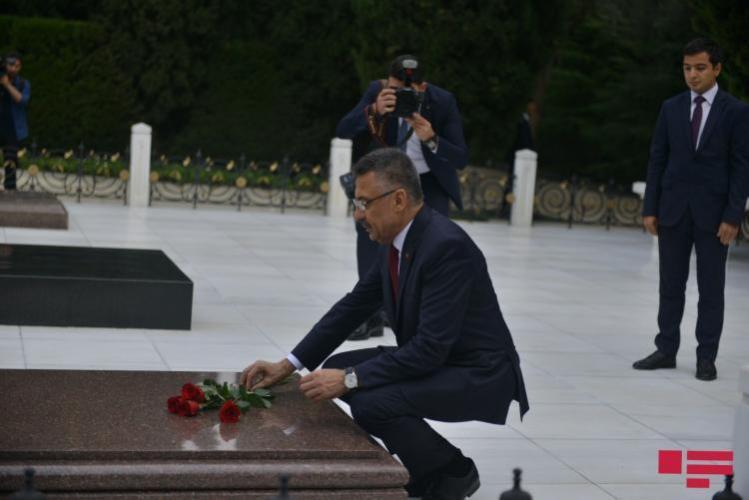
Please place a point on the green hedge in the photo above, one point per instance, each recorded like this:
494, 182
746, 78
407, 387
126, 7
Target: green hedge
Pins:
78, 93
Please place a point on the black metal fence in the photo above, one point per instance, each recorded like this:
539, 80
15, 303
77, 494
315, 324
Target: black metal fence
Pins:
199, 180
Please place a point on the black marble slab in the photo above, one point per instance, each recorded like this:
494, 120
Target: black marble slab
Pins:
32, 209
108, 434
92, 287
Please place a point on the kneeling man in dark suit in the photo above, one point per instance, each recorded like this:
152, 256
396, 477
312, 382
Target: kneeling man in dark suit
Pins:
455, 359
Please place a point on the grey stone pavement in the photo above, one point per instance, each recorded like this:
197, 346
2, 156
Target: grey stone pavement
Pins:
581, 305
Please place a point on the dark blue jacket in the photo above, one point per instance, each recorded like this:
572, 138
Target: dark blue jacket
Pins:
713, 181
441, 110
18, 109
447, 323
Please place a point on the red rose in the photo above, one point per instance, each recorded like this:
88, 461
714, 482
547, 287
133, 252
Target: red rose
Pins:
193, 393
173, 404
229, 413
188, 408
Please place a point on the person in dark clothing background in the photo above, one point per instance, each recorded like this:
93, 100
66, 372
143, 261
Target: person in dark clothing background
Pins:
432, 137
15, 93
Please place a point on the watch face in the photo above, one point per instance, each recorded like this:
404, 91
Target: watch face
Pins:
350, 380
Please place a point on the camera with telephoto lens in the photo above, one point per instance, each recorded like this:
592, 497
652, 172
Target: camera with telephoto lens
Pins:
407, 99
407, 102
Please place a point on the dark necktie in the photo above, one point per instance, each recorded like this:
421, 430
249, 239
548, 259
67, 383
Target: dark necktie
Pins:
697, 119
403, 130
393, 265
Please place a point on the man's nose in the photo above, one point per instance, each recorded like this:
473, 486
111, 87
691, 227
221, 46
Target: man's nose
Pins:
359, 215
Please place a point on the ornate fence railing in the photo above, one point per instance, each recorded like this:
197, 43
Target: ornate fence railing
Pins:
572, 200
285, 184
196, 180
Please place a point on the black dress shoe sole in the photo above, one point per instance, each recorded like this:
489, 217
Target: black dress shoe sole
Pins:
662, 366
707, 377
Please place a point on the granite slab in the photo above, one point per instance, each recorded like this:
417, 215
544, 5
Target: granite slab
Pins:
92, 287
107, 434
32, 209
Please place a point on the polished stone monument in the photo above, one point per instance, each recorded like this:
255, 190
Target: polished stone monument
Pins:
32, 209
99, 434
92, 287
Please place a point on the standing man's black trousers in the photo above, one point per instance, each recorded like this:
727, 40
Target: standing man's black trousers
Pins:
675, 248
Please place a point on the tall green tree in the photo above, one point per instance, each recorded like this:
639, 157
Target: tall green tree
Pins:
611, 72
727, 22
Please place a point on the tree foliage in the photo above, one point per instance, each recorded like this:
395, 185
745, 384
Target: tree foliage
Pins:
269, 78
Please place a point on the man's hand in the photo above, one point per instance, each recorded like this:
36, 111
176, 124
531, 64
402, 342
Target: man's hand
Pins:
727, 232
385, 102
323, 384
422, 128
262, 374
651, 224
4, 81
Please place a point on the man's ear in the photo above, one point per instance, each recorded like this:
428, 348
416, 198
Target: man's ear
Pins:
401, 199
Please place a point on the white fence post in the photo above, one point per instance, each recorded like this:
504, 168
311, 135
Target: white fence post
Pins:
741, 437
140, 165
524, 188
340, 163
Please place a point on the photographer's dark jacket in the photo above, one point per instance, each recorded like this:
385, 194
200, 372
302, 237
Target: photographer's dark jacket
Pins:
440, 109
13, 114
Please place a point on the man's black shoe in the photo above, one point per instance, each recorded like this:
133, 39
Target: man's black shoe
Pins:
706, 370
655, 361
375, 330
447, 487
361, 333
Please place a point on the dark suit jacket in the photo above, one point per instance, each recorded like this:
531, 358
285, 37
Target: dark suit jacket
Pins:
447, 322
712, 181
441, 110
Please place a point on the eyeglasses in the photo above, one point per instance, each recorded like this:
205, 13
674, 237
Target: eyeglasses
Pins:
361, 204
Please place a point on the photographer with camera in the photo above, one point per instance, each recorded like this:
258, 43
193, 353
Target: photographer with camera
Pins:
421, 119
15, 93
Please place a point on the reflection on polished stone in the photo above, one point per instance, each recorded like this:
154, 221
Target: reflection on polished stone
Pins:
89, 431
84, 286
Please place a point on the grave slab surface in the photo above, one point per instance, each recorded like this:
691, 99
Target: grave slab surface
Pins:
84, 286
107, 434
32, 209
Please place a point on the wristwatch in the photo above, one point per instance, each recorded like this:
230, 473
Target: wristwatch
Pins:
349, 378
432, 143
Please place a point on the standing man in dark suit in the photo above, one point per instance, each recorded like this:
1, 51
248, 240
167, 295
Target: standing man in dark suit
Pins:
455, 359
432, 136
697, 185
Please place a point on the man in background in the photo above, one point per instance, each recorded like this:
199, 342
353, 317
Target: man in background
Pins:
427, 126
697, 185
15, 93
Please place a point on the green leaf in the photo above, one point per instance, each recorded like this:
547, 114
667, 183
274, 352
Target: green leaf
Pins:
243, 405
209, 382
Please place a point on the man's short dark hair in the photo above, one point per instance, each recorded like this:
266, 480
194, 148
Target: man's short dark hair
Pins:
394, 167
699, 45
407, 66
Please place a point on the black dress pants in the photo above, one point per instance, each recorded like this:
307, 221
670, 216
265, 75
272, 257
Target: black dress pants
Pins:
385, 412
674, 249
